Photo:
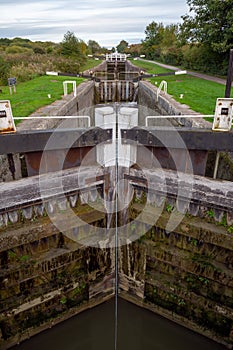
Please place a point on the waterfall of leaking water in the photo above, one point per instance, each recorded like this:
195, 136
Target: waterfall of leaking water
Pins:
110, 203
135, 95
118, 196
111, 207
116, 239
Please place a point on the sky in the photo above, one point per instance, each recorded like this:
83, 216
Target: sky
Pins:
105, 21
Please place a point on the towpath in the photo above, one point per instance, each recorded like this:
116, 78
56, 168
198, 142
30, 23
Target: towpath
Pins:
195, 74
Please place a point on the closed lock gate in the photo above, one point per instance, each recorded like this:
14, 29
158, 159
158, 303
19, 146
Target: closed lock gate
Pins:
116, 91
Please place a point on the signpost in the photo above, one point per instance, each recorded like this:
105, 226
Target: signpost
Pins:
12, 84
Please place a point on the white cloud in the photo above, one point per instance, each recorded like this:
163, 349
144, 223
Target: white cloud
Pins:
106, 21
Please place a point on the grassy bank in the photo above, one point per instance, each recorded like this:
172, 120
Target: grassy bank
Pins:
90, 63
197, 93
149, 67
33, 94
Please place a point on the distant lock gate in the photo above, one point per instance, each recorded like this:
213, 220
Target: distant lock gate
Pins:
115, 91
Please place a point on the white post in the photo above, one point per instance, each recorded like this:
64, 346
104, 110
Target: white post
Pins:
127, 119
105, 117
73, 82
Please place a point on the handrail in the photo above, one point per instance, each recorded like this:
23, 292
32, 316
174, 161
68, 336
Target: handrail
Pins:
59, 117
163, 85
177, 116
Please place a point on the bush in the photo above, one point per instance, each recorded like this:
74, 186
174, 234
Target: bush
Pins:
202, 58
25, 66
39, 50
171, 55
67, 65
25, 72
18, 49
4, 71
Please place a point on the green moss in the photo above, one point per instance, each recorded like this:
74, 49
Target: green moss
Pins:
169, 208
219, 324
63, 300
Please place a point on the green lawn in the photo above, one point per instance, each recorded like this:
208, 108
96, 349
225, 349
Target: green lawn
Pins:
150, 67
33, 94
90, 63
198, 93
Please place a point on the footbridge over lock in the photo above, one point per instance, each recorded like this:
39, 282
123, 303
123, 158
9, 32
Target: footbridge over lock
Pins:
117, 208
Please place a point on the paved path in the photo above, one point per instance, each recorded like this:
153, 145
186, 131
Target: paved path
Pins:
195, 74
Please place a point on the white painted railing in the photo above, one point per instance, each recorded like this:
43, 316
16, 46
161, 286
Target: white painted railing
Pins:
163, 85
116, 57
176, 116
59, 117
65, 83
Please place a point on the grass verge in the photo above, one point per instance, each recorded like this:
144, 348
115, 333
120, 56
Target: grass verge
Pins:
151, 68
90, 63
33, 94
199, 94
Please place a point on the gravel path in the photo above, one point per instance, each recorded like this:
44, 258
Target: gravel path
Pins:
195, 74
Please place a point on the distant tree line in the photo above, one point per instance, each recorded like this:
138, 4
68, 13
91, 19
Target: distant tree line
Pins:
202, 42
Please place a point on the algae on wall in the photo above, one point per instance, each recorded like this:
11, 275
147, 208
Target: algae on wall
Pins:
185, 275
47, 277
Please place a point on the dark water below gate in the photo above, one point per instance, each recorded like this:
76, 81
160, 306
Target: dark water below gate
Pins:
138, 329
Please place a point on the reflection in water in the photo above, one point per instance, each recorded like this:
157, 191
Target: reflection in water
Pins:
137, 329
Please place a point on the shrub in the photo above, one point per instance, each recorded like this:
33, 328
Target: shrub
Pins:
18, 49
25, 66
39, 50
4, 71
202, 58
67, 65
171, 55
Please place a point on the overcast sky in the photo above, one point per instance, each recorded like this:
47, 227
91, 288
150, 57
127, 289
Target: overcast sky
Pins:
106, 21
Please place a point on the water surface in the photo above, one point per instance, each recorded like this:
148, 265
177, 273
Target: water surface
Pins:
138, 329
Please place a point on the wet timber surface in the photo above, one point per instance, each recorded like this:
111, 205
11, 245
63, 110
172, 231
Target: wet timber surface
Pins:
137, 329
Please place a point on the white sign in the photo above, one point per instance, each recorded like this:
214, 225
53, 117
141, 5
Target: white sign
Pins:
6, 118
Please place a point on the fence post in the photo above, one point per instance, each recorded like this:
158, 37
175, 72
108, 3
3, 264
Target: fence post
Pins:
229, 75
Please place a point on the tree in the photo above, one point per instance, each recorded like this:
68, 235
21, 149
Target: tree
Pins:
122, 47
71, 46
169, 36
154, 35
135, 50
212, 24
94, 47
5, 41
74, 48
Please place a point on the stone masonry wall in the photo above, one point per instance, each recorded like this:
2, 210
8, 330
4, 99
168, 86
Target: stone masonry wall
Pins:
184, 273
47, 275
